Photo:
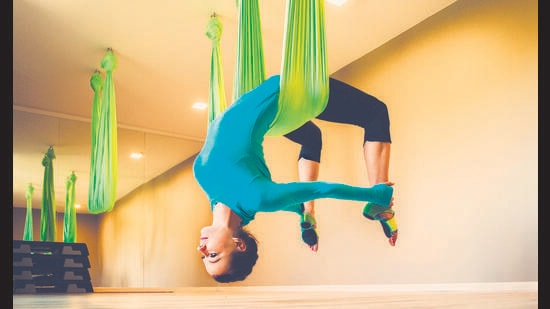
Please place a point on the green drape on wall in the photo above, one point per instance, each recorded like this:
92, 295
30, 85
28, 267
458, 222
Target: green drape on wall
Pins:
304, 68
69, 220
250, 62
27, 232
48, 229
104, 160
216, 99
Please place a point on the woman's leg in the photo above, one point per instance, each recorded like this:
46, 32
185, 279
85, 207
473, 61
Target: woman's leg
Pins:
377, 158
377, 161
350, 105
308, 170
309, 137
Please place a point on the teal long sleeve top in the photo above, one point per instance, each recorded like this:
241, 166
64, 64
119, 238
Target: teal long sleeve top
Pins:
231, 167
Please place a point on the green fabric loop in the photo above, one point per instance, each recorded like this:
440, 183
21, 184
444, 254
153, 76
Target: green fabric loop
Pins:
69, 220
28, 231
96, 82
109, 61
48, 228
214, 29
104, 160
304, 73
216, 98
304, 85
250, 62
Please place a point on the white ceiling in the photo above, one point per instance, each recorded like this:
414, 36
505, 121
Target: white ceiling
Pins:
163, 67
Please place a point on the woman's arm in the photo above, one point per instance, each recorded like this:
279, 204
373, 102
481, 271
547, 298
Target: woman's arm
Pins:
276, 196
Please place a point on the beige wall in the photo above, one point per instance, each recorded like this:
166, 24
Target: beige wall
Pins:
462, 91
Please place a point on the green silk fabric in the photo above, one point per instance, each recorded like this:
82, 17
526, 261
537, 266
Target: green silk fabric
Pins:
27, 232
216, 99
304, 70
69, 220
250, 62
48, 228
104, 160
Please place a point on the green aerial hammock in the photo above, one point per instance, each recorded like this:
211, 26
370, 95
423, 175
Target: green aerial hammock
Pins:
104, 161
69, 220
48, 228
304, 74
250, 61
216, 98
27, 233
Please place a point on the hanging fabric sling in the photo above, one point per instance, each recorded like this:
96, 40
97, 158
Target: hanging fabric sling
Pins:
69, 220
48, 227
216, 99
27, 232
250, 62
104, 161
304, 73
304, 70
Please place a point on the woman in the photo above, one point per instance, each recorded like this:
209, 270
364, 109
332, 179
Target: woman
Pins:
231, 169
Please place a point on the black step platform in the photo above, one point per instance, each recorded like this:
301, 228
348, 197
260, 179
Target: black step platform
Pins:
50, 267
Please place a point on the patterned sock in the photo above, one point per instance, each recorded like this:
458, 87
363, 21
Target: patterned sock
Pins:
307, 225
376, 212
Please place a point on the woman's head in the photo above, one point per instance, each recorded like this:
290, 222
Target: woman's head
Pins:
228, 257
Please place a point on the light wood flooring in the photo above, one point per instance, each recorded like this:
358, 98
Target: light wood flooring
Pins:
338, 297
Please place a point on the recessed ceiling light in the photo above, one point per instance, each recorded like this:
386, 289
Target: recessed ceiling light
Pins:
136, 155
200, 105
337, 2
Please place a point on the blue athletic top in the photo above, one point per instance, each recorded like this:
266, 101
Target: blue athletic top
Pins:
231, 168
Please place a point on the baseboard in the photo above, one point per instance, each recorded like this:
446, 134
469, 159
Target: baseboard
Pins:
132, 290
445, 287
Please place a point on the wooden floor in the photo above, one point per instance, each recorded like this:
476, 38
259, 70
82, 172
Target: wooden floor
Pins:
339, 297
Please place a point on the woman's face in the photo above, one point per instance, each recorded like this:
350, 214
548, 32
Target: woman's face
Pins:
216, 245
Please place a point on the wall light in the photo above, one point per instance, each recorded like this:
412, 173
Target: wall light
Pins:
136, 155
200, 105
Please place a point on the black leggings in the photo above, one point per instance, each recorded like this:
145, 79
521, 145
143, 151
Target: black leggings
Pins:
349, 105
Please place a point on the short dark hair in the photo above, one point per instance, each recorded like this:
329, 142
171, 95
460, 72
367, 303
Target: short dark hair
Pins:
241, 261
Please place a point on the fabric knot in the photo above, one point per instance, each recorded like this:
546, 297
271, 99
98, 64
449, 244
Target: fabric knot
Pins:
214, 29
109, 61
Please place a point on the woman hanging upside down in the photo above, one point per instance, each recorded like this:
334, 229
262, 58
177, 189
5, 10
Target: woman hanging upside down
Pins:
231, 169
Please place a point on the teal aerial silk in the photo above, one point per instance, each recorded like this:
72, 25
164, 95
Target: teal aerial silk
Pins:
27, 232
104, 161
69, 220
48, 227
250, 62
304, 70
216, 99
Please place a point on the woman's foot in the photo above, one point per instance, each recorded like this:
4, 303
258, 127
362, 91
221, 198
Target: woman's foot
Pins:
384, 214
390, 230
376, 212
308, 227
